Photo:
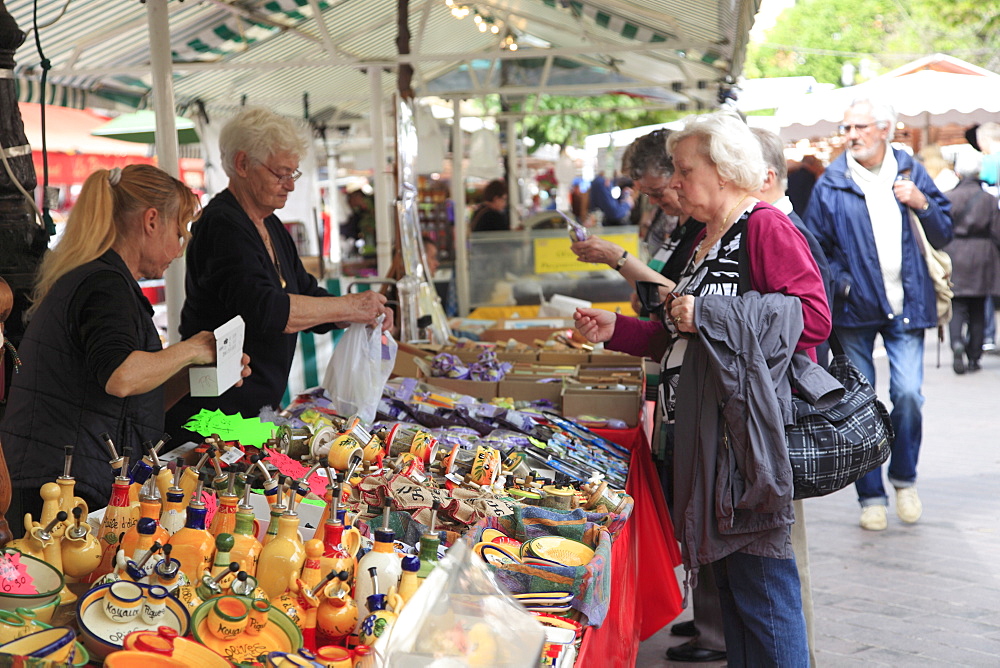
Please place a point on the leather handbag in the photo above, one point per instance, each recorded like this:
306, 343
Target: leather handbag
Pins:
833, 447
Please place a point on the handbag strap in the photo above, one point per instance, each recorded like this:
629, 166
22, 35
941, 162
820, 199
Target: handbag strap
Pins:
744, 286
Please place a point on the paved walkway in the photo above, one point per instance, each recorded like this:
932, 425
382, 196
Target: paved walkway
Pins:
926, 594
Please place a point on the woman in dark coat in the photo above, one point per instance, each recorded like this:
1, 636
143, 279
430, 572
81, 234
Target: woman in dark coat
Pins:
975, 256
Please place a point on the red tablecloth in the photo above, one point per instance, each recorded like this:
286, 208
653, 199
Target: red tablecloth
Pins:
644, 592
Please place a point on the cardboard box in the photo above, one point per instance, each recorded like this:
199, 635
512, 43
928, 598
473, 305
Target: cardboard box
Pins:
528, 335
529, 389
408, 361
625, 405
474, 388
562, 357
606, 373
612, 358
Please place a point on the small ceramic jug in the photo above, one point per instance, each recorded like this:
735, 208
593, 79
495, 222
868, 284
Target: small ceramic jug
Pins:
123, 601
228, 617
332, 656
260, 611
154, 605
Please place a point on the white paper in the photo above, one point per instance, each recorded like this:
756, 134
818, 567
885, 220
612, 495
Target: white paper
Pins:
211, 381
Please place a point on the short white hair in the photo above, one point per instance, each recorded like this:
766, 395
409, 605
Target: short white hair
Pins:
882, 112
729, 144
259, 133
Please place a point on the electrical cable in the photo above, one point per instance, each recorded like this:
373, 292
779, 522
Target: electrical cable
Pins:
50, 227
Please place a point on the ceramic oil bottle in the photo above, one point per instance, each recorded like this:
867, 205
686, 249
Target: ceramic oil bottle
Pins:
172, 515
246, 548
81, 552
149, 509
224, 520
193, 545
67, 489
118, 518
408, 581
384, 558
380, 619
429, 543
282, 558
192, 475
337, 615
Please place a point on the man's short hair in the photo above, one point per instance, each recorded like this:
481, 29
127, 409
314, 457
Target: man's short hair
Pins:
774, 154
494, 189
882, 112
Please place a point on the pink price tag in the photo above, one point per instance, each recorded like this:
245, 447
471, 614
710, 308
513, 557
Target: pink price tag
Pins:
14, 578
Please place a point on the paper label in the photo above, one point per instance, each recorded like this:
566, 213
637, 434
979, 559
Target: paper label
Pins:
232, 455
211, 381
14, 578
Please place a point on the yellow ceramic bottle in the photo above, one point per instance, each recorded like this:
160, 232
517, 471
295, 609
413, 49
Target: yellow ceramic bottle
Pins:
80, 551
193, 545
224, 520
408, 581
246, 548
281, 559
149, 509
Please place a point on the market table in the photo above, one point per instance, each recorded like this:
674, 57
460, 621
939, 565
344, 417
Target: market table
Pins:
644, 589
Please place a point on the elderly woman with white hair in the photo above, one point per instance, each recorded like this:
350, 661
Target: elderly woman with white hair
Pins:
732, 480
242, 261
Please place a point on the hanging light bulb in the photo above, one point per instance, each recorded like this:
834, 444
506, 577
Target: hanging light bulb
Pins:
513, 46
482, 27
495, 29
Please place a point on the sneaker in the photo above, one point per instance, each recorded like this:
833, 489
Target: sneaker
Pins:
974, 365
908, 505
958, 363
874, 518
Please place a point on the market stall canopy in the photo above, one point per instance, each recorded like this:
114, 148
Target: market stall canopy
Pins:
933, 91
276, 53
68, 131
140, 127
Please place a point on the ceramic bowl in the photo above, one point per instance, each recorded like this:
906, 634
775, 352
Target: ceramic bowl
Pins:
280, 635
134, 659
56, 644
81, 657
45, 612
101, 636
165, 640
561, 550
47, 581
496, 555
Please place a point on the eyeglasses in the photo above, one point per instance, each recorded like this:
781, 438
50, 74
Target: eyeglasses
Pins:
286, 179
860, 127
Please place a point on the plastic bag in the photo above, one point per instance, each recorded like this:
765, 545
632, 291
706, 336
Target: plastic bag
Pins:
461, 618
358, 370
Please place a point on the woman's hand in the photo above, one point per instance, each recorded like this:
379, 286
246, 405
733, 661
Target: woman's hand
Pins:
366, 307
681, 311
597, 326
597, 250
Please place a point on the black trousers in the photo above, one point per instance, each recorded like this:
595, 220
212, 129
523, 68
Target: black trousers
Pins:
966, 327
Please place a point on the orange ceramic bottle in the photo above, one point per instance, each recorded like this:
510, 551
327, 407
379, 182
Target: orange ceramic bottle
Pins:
224, 520
149, 509
193, 545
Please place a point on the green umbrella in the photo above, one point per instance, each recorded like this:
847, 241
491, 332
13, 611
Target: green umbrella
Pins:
140, 127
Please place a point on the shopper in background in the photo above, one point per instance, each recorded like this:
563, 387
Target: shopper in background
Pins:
242, 261
491, 214
860, 211
801, 179
614, 210
360, 225
987, 138
975, 257
718, 167
92, 361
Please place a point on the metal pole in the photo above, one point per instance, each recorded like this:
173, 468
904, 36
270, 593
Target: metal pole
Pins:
383, 225
166, 142
333, 208
461, 225
513, 196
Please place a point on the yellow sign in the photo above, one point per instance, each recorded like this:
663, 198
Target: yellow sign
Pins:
554, 255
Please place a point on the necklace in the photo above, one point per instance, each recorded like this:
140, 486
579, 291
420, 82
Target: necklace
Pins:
725, 226
274, 257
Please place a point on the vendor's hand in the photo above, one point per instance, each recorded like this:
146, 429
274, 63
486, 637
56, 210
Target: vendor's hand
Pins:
597, 326
366, 307
202, 347
597, 250
245, 371
388, 322
907, 193
681, 311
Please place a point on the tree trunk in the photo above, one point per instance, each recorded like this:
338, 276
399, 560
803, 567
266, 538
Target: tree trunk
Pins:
405, 74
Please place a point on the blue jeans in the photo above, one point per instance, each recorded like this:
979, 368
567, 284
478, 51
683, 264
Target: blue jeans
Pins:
905, 348
762, 612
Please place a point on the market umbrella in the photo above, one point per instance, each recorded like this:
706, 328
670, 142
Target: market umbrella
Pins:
140, 127
922, 98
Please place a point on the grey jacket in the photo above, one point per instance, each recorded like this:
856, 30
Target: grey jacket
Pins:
732, 477
975, 249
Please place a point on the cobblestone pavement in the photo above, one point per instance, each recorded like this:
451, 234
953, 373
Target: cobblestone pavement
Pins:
926, 594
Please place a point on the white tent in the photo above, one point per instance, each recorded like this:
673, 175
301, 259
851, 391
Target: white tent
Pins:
922, 98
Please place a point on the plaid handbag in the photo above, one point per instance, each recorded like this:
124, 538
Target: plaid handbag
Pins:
829, 449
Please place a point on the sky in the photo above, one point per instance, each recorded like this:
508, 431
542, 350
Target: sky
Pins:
766, 16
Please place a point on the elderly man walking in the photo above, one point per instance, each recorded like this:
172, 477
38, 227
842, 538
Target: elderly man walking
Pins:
859, 212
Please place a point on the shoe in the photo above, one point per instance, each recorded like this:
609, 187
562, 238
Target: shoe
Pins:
685, 629
974, 365
989, 347
874, 518
958, 364
691, 653
908, 505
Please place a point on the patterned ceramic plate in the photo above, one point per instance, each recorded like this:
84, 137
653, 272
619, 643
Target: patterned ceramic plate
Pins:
561, 550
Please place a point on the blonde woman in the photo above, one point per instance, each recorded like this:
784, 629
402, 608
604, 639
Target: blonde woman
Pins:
92, 359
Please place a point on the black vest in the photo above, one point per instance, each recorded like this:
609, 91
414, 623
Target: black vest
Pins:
54, 400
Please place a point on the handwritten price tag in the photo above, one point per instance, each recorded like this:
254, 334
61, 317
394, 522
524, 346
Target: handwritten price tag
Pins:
14, 578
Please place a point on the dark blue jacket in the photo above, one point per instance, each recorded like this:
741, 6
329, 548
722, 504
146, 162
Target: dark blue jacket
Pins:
838, 216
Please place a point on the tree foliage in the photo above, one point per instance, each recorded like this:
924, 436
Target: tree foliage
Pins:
820, 37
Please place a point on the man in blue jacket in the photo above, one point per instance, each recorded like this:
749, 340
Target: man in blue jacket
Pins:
859, 212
